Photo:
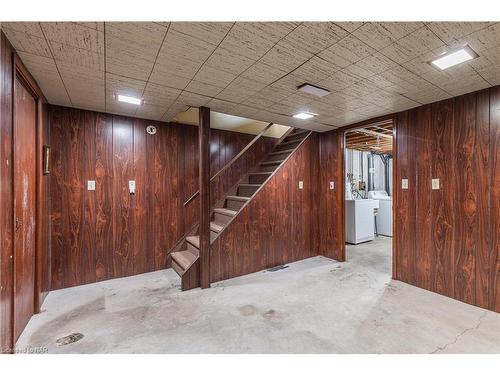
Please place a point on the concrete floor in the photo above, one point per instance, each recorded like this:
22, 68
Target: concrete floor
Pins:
313, 306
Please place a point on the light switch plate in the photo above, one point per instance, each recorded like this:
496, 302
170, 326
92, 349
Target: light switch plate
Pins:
131, 186
404, 183
332, 185
435, 184
90, 185
301, 184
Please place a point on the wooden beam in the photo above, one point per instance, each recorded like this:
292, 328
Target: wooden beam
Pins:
204, 183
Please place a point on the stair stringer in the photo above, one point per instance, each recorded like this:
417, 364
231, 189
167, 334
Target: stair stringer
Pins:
262, 235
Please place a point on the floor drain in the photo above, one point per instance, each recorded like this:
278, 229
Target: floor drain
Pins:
70, 339
277, 268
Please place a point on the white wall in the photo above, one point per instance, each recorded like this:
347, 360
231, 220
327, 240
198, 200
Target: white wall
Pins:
353, 165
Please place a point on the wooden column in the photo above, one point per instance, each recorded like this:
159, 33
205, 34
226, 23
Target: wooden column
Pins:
204, 183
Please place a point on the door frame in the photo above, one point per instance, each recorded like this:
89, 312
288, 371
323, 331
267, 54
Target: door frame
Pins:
363, 124
20, 73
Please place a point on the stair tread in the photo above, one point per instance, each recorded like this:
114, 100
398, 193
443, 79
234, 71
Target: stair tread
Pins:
282, 151
249, 185
194, 240
225, 211
216, 227
185, 258
271, 162
237, 198
286, 143
260, 173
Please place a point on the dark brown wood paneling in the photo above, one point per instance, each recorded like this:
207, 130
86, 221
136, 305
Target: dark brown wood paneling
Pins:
444, 240
494, 280
110, 233
331, 202
267, 232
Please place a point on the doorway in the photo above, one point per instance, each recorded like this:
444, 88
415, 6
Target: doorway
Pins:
24, 169
368, 188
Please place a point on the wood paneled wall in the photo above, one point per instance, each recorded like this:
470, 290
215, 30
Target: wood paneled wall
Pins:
108, 233
447, 239
331, 207
444, 240
279, 225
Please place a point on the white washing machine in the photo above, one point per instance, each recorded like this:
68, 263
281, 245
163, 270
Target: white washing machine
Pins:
384, 215
359, 223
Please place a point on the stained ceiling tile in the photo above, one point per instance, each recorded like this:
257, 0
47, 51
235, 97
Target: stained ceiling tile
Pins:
75, 35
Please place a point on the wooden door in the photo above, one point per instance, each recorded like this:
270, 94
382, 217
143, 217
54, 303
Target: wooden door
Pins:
25, 115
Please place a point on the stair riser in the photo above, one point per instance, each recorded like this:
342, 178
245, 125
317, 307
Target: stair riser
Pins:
191, 247
247, 191
257, 179
234, 205
280, 156
213, 235
221, 219
268, 168
178, 269
284, 146
293, 137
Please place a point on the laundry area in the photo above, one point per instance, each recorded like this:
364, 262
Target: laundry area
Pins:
368, 165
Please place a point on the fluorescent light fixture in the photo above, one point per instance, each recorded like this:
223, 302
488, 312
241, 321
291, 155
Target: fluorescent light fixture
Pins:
313, 90
454, 58
304, 115
128, 99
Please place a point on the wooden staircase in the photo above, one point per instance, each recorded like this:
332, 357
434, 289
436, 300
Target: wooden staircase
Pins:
186, 261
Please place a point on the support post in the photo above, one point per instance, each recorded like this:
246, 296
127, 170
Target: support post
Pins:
204, 183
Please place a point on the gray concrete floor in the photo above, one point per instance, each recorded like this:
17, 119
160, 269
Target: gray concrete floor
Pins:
313, 306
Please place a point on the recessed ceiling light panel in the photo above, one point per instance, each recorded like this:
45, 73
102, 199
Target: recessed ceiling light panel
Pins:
304, 115
313, 90
454, 57
129, 99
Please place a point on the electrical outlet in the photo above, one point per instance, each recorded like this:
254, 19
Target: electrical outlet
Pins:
404, 183
435, 184
90, 185
332, 185
301, 184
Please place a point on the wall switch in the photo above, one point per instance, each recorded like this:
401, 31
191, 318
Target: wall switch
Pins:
435, 184
332, 185
90, 185
131, 187
301, 184
404, 183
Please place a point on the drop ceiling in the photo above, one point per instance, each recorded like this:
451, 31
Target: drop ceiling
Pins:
252, 69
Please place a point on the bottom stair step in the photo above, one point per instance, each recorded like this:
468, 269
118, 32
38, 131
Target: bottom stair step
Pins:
182, 260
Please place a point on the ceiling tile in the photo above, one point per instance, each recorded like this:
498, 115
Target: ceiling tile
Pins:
99, 26
347, 51
380, 34
254, 39
264, 73
75, 35
203, 88
150, 111
160, 95
451, 32
218, 105
77, 57
339, 80
214, 77
211, 32
125, 86
349, 26
193, 100
315, 70
228, 61
186, 47
411, 46
286, 57
173, 71
126, 52
23, 42
371, 65
32, 28
314, 37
